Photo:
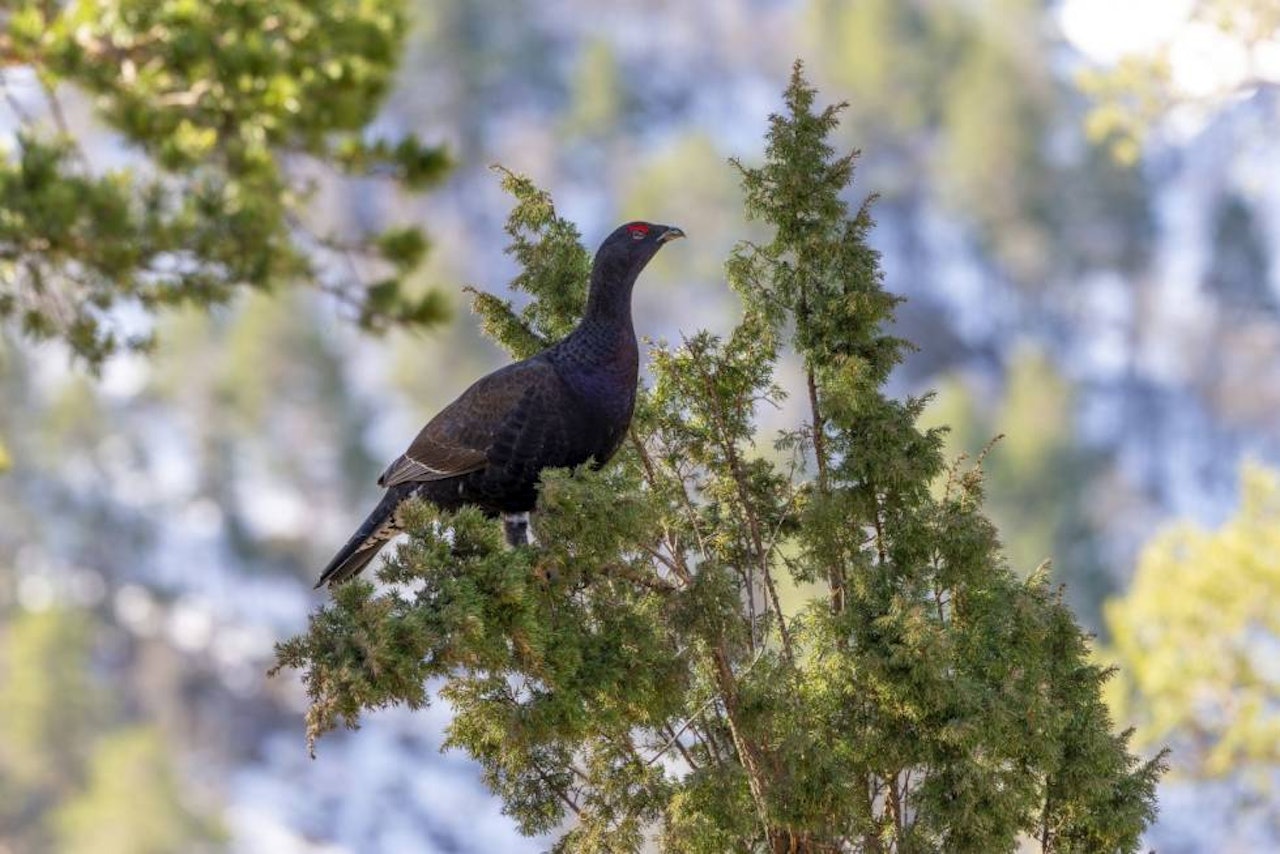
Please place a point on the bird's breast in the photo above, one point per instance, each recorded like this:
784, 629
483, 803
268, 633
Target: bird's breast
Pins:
600, 370
607, 396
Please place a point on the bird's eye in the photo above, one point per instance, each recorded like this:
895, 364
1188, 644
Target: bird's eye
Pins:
638, 231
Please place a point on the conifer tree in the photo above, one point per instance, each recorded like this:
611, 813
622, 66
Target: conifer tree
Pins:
644, 670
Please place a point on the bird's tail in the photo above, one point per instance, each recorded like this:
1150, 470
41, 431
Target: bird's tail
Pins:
378, 529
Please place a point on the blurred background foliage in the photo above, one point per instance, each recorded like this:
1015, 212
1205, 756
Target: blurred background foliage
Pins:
1079, 200
1196, 648
224, 112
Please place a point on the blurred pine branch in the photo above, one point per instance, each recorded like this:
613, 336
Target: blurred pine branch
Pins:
228, 112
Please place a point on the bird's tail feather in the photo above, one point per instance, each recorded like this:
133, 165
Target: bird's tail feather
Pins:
377, 530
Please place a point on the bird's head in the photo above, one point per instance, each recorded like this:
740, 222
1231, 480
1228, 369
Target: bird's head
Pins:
618, 263
633, 244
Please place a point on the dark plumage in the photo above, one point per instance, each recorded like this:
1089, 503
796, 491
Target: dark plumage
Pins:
568, 404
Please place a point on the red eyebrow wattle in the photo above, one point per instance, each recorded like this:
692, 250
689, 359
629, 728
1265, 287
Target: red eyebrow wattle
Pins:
638, 229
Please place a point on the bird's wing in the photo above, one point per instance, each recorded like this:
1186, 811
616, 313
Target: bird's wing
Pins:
457, 441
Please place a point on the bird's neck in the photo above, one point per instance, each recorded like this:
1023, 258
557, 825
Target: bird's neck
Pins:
605, 341
609, 297
603, 347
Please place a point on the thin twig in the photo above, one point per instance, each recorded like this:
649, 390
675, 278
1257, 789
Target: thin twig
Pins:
61, 123
651, 475
702, 710
679, 745
712, 745
750, 518
676, 737
786, 509
11, 99
628, 574
563, 794
657, 555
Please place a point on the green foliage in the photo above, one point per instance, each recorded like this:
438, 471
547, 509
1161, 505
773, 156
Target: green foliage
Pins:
1195, 636
230, 106
637, 671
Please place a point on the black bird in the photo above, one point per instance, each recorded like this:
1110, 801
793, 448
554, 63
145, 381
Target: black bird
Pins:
568, 404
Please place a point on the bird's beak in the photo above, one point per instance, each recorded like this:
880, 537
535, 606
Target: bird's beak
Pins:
670, 234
